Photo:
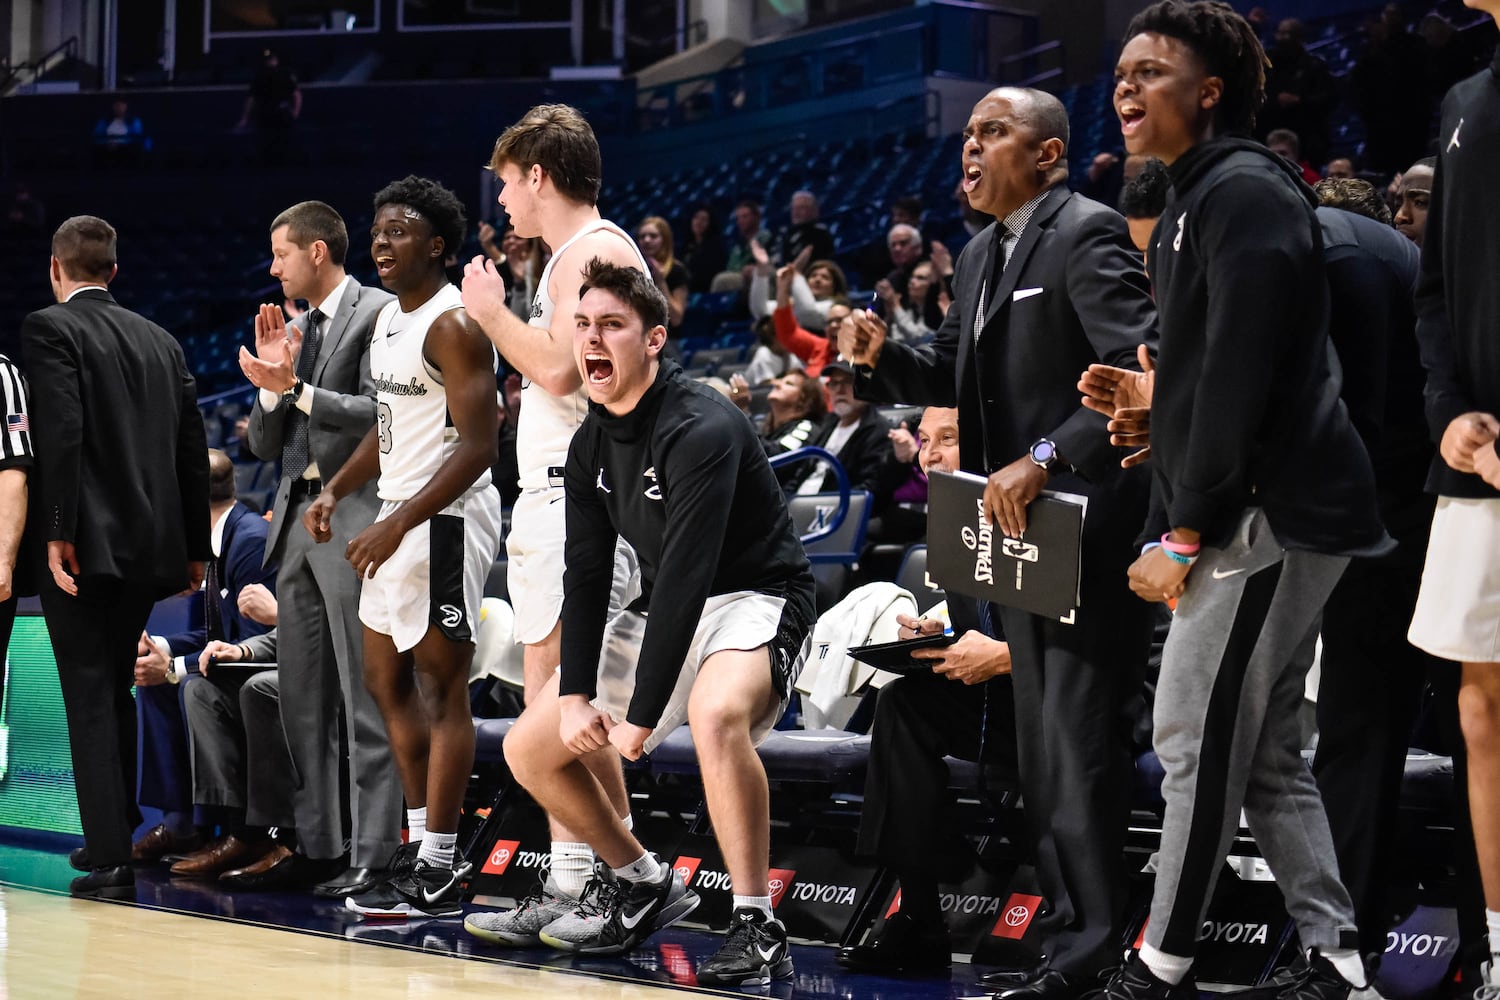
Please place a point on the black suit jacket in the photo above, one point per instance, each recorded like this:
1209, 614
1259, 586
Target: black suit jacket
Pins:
241, 562
122, 459
1075, 292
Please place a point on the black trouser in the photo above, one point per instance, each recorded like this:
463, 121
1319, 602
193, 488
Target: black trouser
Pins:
94, 637
7, 622
919, 720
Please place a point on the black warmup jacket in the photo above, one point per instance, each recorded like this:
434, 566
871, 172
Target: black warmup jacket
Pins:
1458, 291
684, 479
1247, 411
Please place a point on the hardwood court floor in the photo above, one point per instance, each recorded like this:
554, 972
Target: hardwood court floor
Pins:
187, 940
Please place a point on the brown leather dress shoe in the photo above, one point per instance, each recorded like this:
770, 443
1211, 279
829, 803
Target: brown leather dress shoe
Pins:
261, 869
221, 855
157, 842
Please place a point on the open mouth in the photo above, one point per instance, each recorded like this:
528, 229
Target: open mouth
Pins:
1131, 116
384, 263
598, 368
972, 175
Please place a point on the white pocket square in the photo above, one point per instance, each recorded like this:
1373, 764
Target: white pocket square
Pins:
1025, 293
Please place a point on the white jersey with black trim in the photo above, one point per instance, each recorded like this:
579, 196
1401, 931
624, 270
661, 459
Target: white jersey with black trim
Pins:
547, 422
416, 431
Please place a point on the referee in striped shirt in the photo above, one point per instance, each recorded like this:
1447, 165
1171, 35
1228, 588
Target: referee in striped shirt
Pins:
15, 459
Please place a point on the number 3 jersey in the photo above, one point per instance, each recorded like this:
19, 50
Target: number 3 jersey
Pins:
411, 406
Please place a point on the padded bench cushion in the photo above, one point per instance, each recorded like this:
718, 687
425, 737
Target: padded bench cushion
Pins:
489, 740
801, 755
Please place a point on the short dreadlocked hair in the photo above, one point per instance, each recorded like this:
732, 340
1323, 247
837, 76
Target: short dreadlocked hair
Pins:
439, 206
1227, 45
1146, 196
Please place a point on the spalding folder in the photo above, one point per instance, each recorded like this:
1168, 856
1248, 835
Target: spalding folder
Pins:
1037, 572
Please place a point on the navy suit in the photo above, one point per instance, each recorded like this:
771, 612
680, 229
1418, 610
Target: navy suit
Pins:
166, 779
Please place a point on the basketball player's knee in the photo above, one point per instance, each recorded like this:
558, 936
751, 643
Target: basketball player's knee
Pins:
717, 720
525, 750
1479, 714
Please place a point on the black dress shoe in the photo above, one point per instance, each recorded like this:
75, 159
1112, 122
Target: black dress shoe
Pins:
903, 945
105, 883
1005, 979
350, 882
1135, 981
1050, 985
78, 857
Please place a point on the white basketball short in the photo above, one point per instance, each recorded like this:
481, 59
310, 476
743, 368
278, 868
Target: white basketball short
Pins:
1458, 609
538, 529
743, 620
436, 575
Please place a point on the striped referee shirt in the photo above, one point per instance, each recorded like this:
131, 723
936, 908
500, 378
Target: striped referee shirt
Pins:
15, 435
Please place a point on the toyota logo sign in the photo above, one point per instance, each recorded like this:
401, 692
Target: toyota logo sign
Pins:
777, 885
1016, 916
500, 857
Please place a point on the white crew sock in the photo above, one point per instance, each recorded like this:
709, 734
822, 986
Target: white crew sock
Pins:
416, 825
1168, 968
643, 869
438, 848
761, 903
1492, 920
572, 867
629, 822
1349, 965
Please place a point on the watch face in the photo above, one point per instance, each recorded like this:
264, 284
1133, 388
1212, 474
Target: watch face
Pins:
1043, 452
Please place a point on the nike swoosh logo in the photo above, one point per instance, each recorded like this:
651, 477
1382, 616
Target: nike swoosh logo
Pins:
1224, 574
630, 920
432, 897
1025, 293
766, 956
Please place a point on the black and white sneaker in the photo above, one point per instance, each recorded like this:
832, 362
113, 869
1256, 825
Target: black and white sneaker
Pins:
754, 953
423, 888
614, 916
1134, 980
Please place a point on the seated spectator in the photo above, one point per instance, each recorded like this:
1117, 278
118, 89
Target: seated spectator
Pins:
167, 783
1144, 199
907, 316
1299, 93
1414, 191
858, 436
804, 234
703, 250
877, 258
1340, 167
904, 243
770, 359
654, 237
812, 295
1284, 143
963, 708
524, 260
814, 350
798, 405
741, 258
120, 137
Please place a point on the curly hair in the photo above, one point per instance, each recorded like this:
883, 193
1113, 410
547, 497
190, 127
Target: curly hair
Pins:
438, 206
1353, 195
1227, 45
1146, 196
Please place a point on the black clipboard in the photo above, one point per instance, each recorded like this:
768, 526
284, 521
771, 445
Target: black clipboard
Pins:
896, 656
240, 666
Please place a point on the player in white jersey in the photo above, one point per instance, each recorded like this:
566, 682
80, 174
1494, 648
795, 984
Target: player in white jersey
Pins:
550, 165
424, 560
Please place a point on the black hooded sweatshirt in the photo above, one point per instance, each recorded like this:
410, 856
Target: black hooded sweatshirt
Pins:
1247, 411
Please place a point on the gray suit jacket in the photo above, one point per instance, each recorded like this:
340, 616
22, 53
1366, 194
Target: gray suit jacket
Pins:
343, 412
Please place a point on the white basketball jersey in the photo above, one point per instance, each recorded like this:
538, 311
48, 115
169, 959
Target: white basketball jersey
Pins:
547, 422
411, 406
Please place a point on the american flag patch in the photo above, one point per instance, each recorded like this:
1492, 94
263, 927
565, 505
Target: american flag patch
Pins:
17, 423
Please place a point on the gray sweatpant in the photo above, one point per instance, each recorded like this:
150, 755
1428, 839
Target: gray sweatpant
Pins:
1227, 733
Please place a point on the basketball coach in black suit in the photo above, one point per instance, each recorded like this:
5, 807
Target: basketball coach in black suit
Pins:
1055, 283
122, 506
315, 402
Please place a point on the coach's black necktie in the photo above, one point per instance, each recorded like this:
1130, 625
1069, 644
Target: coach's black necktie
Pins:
297, 455
213, 610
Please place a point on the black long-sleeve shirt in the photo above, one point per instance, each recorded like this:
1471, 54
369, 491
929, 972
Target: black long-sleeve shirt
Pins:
1246, 411
1458, 298
685, 481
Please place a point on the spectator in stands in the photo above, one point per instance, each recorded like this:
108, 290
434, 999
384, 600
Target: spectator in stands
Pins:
854, 431
907, 313
1458, 312
1299, 93
122, 506
1414, 190
1015, 388
965, 708
812, 295
814, 350
703, 250
1284, 143
16, 462
523, 259
1391, 92
274, 102
741, 258
313, 405
654, 237
803, 234
120, 138
1142, 201
1280, 519
169, 759
1340, 167
797, 407
904, 243
770, 358
25, 215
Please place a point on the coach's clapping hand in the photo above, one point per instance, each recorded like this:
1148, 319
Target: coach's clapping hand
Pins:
273, 366
369, 549
629, 740
582, 727
318, 518
861, 337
